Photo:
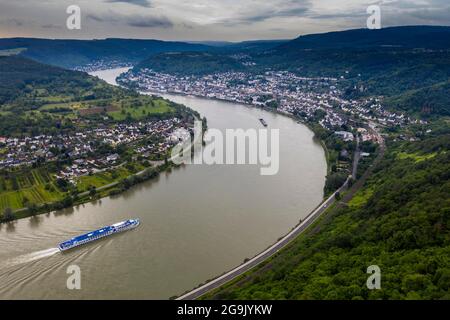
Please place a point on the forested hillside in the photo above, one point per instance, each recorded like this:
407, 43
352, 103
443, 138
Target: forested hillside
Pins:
25, 80
399, 221
76, 53
427, 100
435, 37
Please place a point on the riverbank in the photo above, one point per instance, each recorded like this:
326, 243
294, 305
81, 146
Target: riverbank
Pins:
249, 105
94, 194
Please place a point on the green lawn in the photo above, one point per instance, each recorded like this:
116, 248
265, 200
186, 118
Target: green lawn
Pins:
158, 107
414, 156
38, 186
106, 177
360, 198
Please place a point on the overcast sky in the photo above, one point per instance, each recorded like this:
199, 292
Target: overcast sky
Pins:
231, 20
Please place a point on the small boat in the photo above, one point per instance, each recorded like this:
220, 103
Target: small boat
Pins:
98, 234
264, 123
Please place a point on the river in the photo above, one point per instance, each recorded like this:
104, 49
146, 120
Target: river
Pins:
197, 221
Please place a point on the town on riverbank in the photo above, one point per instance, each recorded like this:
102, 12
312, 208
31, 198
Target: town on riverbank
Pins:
318, 102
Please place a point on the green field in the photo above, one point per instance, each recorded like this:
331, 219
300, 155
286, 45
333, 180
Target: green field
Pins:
37, 186
414, 156
106, 177
137, 109
27, 187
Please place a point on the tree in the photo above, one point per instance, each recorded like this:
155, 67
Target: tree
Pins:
32, 208
92, 191
8, 214
67, 201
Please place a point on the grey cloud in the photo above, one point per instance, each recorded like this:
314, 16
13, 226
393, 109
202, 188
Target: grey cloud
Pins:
438, 16
291, 8
50, 26
95, 18
339, 15
232, 20
411, 4
14, 22
280, 13
149, 22
402, 12
142, 3
138, 21
187, 25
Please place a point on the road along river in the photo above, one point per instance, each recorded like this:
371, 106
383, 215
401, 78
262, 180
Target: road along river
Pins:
197, 221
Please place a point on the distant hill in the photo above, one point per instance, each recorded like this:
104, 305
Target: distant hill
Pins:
433, 37
76, 53
190, 63
387, 62
360, 50
224, 46
254, 46
220, 57
19, 76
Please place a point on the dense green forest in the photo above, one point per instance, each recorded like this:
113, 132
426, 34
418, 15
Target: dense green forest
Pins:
23, 82
399, 221
427, 100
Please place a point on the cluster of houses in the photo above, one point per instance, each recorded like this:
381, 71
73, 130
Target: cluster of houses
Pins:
81, 146
368, 136
103, 65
